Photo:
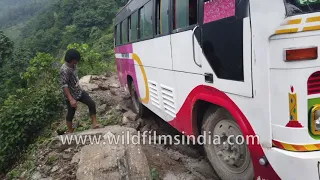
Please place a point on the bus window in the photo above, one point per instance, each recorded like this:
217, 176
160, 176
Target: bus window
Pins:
134, 26
146, 30
118, 37
185, 13
124, 31
222, 37
295, 7
162, 17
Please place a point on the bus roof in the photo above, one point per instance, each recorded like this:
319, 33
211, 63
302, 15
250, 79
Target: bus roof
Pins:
127, 10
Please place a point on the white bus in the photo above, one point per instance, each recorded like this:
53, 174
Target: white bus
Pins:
232, 67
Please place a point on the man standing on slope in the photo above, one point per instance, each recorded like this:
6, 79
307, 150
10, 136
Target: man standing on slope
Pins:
72, 91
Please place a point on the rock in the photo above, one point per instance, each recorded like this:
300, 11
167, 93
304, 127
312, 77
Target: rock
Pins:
125, 120
133, 124
103, 78
175, 156
68, 150
112, 160
85, 84
180, 176
154, 126
47, 178
54, 169
46, 169
113, 92
126, 97
103, 86
75, 158
107, 74
114, 85
67, 156
118, 107
22, 175
90, 87
202, 167
85, 80
95, 78
147, 128
36, 176
130, 115
102, 109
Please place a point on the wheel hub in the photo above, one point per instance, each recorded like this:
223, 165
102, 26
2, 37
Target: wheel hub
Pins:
232, 155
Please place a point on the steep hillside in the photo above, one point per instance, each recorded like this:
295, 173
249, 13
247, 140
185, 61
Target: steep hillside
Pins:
30, 96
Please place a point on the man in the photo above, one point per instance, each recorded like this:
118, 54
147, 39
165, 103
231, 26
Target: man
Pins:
72, 91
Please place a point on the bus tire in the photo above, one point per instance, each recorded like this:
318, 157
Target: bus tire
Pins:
229, 161
138, 107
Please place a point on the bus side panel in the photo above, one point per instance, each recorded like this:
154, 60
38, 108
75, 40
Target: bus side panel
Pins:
155, 76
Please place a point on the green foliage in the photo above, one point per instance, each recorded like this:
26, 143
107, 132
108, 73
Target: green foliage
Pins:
69, 21
30, 96
6, 48
41, 67
25, 113
28, 161
16, 11
154, 174
91, 61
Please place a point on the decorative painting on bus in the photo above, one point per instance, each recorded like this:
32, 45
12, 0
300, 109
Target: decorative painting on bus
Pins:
216, 10
293, 110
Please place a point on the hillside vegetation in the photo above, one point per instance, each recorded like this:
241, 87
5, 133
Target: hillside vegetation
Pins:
41, 31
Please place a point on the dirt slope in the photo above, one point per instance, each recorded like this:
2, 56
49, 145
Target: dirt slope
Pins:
169, 162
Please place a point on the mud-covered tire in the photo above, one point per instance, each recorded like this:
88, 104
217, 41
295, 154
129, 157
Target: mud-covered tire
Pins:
138, 107
229, 161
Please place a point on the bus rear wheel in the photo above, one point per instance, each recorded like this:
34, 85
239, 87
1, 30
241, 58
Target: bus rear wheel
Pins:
229, 159
138, 107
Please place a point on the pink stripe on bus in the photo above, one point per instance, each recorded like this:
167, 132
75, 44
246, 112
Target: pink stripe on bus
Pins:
124, 49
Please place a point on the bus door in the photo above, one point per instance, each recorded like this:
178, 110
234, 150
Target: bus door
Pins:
185, 49
225, 40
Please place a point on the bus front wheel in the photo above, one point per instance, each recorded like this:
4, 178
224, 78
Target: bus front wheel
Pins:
229, 158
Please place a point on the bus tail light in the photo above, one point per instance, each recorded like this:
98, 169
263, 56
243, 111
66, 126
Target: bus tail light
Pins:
301, 54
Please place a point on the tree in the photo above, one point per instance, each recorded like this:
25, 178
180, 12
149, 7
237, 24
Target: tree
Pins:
6, 48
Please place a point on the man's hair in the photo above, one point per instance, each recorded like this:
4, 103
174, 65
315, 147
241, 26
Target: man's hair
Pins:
72, 54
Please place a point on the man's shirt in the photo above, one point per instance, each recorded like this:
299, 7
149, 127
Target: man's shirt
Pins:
69, 79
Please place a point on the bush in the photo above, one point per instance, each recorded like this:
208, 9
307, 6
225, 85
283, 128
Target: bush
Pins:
91, 62
24, 114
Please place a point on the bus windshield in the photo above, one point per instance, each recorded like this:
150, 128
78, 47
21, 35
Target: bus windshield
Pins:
294, 7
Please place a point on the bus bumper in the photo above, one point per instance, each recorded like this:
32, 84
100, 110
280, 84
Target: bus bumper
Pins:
295, 165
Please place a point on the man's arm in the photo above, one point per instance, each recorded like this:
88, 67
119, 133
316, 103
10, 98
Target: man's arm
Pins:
72, 101
64, 82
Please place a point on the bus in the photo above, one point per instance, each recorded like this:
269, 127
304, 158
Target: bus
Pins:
230, 67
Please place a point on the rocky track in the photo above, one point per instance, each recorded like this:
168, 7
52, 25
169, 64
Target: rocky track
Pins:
155, 160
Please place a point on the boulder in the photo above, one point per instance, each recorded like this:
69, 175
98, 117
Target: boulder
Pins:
104, 86
130, 115
47, 178
95, 78
89, 87
36, 176
113, 92
54, 169
110, 160
114, 85
85, 84
85, 80
102, 109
